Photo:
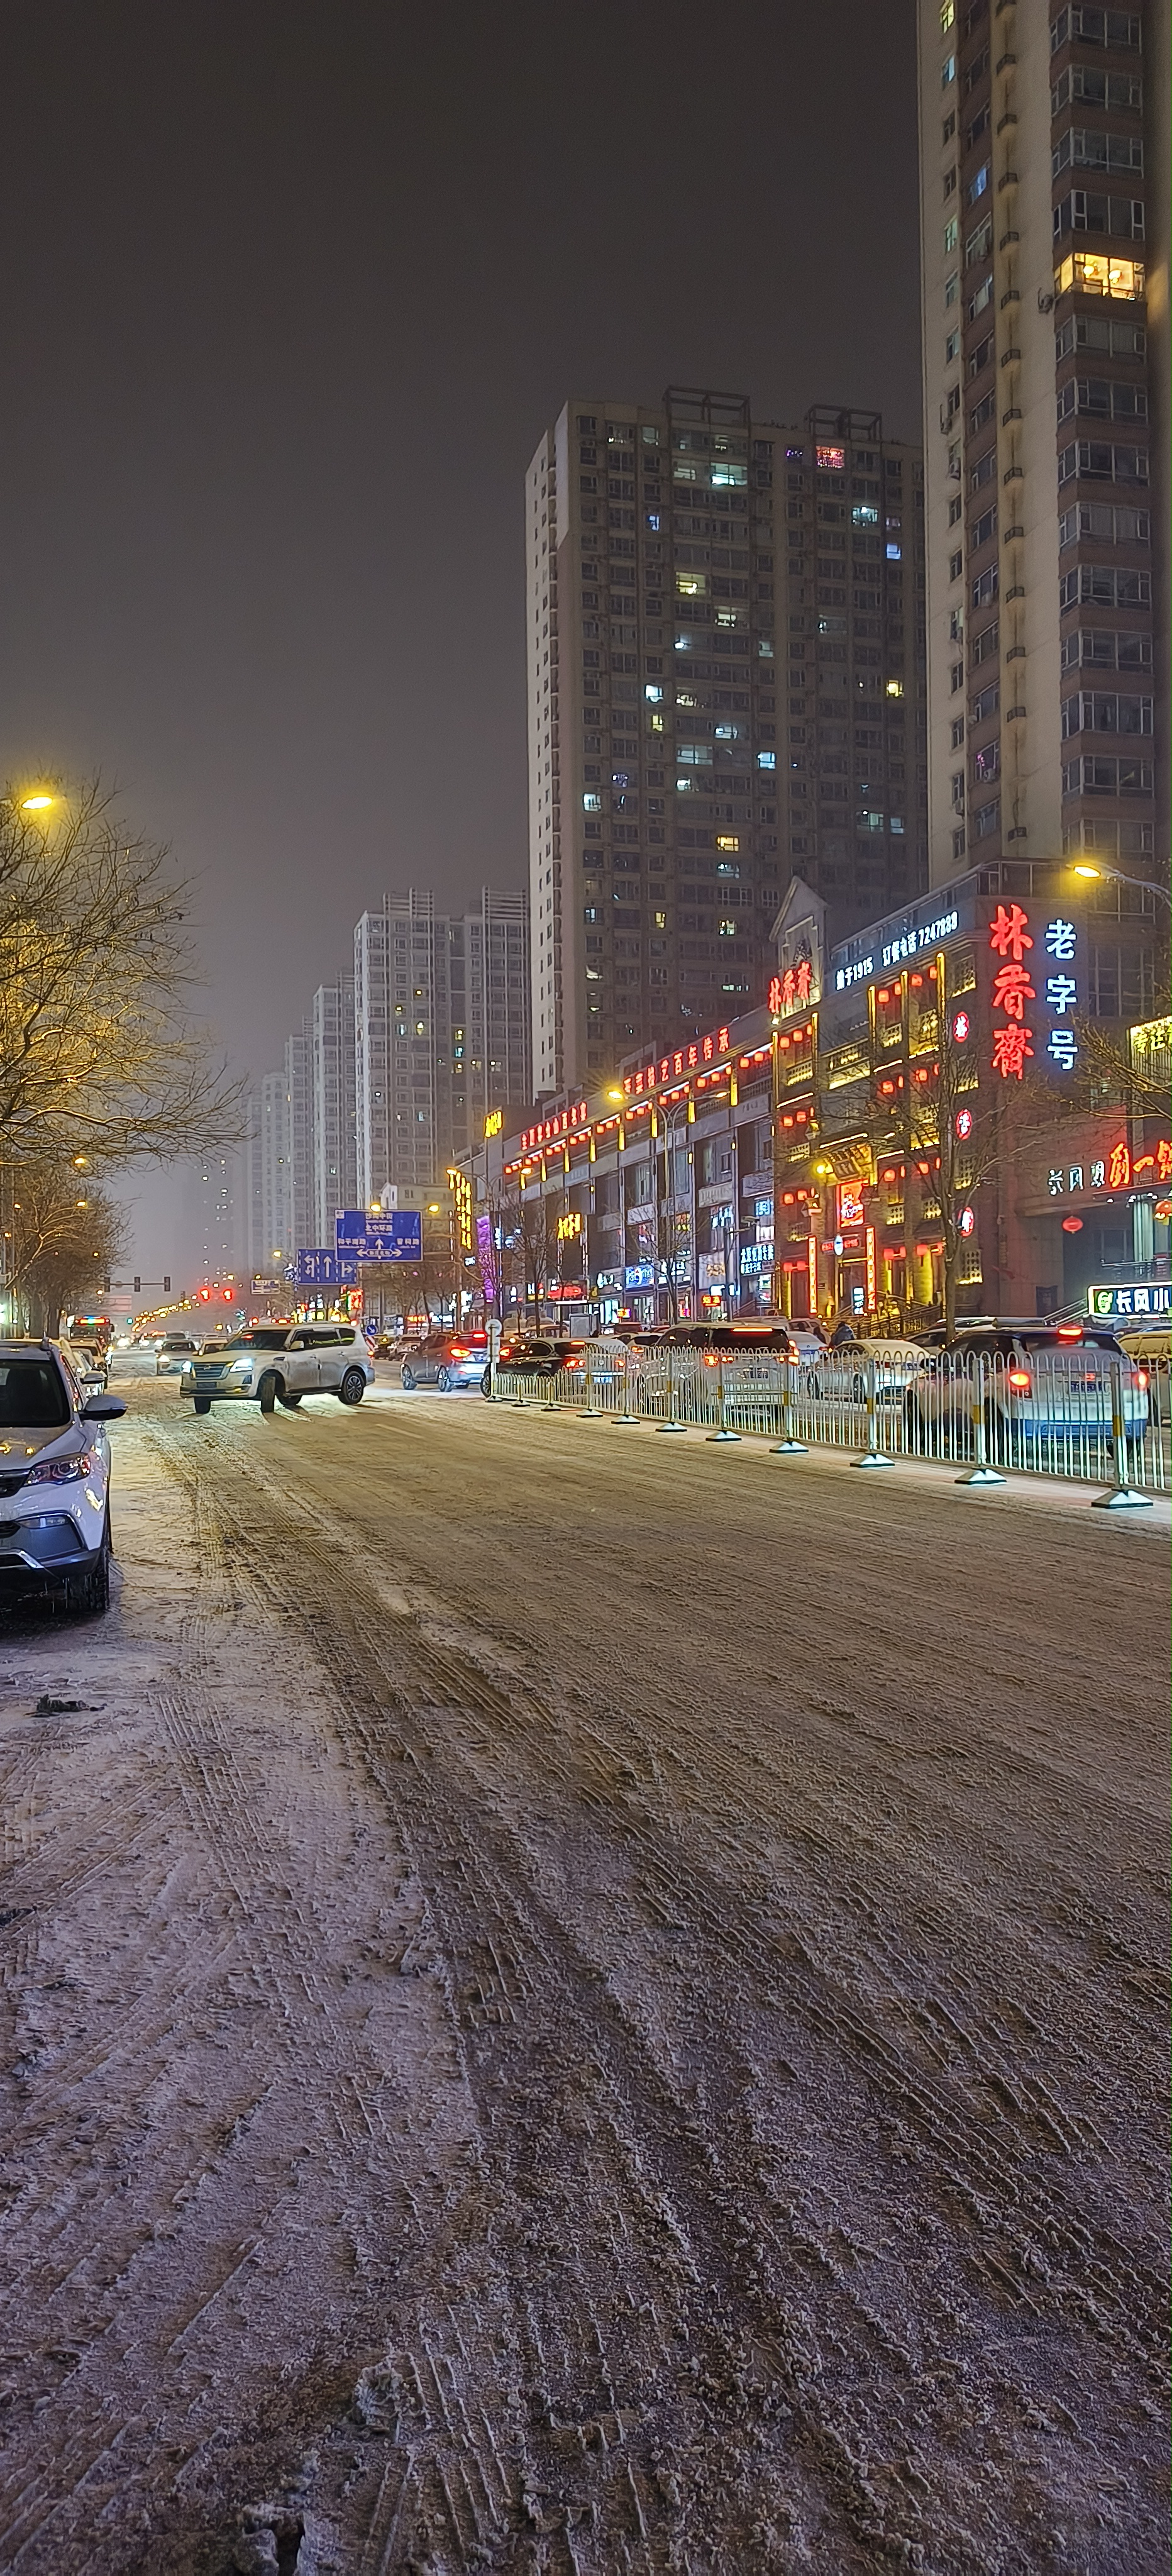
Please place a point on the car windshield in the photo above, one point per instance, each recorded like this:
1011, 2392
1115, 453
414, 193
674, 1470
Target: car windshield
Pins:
268, 1337
32, 1396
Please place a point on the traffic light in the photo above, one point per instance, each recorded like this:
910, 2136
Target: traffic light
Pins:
166, 1285
136, 1284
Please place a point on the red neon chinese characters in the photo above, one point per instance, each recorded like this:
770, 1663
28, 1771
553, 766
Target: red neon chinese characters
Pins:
1164, 1160
1009, 939
1119, 1168
1012, 989
789, 990
1008, 933
1011, 1046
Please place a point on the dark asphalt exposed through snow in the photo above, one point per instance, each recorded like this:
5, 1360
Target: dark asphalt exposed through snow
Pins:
586, 2003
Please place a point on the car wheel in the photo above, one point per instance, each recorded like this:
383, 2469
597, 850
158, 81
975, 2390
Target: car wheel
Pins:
266, 1393
443, 1379
290, 1401
486, 1382
89, 1595
352, 1388
202, 1403
407, 1380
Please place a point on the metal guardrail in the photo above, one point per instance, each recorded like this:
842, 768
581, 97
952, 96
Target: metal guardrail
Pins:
1082, 1414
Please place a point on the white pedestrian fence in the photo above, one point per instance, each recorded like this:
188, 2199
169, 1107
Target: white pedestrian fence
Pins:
1079, 1411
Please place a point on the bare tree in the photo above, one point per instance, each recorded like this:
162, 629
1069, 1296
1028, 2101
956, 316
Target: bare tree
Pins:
99, 1060
65, 1237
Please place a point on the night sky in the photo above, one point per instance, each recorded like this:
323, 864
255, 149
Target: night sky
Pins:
289, 293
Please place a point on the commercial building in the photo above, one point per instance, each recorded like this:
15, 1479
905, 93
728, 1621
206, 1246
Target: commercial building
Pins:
1044, 173
900, 1108
442, 1031
725, 653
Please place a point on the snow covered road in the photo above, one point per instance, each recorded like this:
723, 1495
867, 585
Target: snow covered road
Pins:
582, 2002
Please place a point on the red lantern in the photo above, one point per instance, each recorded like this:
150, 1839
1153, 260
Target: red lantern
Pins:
1072, 1225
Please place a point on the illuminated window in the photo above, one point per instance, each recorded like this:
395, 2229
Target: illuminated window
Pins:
691, 585
728, 841
1093, 272
947, 70
947, 16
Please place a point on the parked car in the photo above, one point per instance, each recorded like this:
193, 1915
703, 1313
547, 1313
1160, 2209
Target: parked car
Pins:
1033, 1381
446, 1361
87, 1364
93, 1353
1149, 1346
172, 1352
54, 1480
271, 1364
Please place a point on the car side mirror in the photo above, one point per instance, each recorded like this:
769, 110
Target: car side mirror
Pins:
102, 1408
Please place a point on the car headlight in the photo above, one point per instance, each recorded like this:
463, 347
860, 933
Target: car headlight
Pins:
62, 1471
241, 1369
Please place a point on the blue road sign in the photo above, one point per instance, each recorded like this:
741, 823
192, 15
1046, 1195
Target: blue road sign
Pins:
319, 1268
396, 1235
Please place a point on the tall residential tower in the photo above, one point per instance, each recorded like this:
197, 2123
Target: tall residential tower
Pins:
1043, 141
442, 1031
665, 818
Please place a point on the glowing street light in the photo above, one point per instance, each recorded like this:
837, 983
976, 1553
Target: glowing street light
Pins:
1087, 868
36, 804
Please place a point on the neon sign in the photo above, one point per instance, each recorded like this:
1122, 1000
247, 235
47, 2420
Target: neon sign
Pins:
548, 1130
494, 1123
683, 1060
791, 989
1009, 938
1118, 1169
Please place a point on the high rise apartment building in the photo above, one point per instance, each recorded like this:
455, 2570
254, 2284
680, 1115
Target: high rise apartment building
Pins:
333, 1105
299, 1203
442, 1031
851, 573
275, 1242
665, 708
1043, 136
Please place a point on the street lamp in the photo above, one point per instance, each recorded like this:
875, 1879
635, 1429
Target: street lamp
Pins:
1086, 868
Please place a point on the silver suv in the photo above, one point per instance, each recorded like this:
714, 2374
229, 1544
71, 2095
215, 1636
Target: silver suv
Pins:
271, 1364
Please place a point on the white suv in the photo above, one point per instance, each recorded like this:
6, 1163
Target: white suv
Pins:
271, 1364
54, 1479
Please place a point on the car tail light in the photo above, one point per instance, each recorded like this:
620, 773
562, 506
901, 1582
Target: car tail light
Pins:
1020, 1378
1141, 1379
711, 1359
571, 1363
1070, 1332
458, 1351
